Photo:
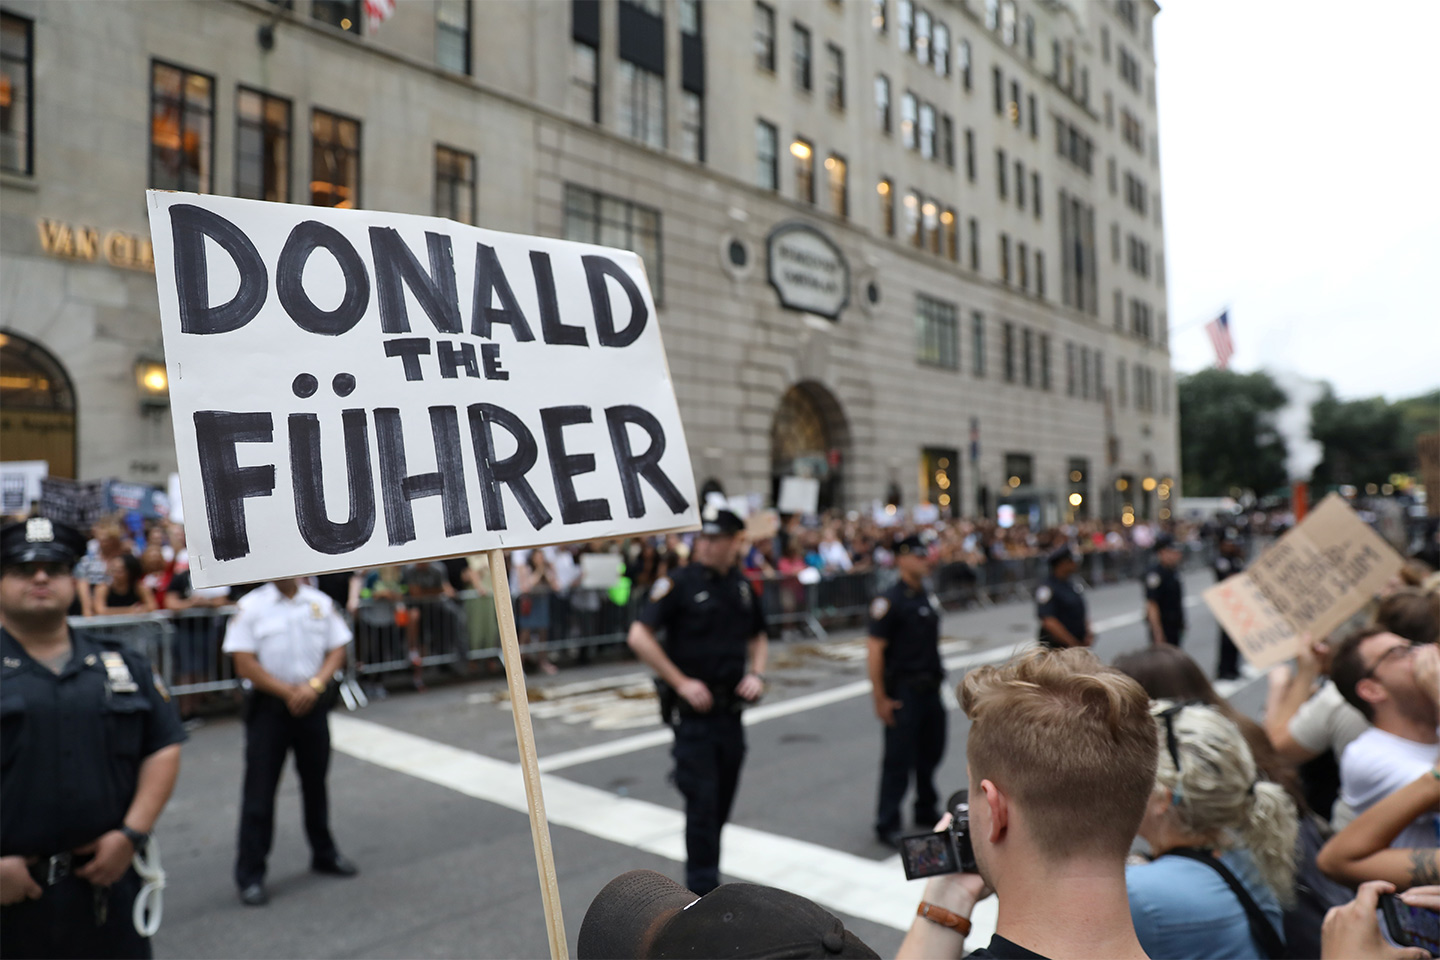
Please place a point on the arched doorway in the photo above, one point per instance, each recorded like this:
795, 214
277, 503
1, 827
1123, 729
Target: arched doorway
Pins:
810, 438
37, 406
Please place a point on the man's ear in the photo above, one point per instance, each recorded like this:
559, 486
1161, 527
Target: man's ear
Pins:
999, 805
1371, 690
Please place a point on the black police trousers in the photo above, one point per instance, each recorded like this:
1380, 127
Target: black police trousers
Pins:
915, 744
1229, 666
270, 733
61, 924
1174, 632
708, 752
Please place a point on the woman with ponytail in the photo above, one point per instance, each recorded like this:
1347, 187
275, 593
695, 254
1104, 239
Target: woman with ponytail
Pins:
1222, 842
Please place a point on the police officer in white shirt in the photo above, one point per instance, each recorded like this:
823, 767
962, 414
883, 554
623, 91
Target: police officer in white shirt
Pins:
288, 643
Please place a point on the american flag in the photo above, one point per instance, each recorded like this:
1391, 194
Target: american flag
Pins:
1219, 330
377, 12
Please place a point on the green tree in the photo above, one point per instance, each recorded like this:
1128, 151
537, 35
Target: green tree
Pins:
1367, 440
1225, 441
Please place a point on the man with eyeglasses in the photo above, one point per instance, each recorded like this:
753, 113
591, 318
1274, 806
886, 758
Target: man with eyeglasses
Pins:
1396, 685
91, 749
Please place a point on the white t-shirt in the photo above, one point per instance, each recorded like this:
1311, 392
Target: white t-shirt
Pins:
289, 636
1375, 765
1327, 721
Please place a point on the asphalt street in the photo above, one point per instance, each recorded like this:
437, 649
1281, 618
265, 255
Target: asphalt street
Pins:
426, 797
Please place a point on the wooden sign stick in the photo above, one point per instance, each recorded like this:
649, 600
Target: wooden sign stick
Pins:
529, 765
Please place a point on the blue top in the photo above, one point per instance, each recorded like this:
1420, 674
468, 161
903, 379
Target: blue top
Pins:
1182, 909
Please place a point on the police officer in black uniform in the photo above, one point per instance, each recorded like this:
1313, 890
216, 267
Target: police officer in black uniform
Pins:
1060, 605
711, 666
91, 749
1230, 562
1164, 594
905, 679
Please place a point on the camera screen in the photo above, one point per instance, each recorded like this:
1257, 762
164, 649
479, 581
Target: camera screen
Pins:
926, 855
1421, 927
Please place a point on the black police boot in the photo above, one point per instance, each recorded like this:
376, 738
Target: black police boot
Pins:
254, 895
337, 866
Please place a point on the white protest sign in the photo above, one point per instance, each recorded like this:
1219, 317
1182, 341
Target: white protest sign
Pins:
1311, 580
354, 388
799, 495
601, 571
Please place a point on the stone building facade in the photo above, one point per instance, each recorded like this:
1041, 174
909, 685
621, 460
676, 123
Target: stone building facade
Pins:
912, 249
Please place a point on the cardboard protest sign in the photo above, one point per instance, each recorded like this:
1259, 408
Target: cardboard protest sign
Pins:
799, 495
353, 388
1311, 580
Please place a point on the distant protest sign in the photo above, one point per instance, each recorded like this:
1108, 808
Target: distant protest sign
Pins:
354, 388
1311, 581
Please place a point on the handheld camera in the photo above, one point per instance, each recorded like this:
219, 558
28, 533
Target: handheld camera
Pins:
945, 851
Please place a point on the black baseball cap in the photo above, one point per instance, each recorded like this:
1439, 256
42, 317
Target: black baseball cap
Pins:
643, 914
719, 522
40, 540
1061, 554
911, 544
1166, 542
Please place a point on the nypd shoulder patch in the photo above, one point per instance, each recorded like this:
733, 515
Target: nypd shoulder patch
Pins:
1152, 580
1044, 594
878, 608
660, 588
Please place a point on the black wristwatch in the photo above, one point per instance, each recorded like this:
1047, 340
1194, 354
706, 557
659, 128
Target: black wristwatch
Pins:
137, 839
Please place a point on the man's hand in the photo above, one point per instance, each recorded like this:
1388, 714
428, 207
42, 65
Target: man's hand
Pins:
113, 852
1353, 930
750, 687
1312, 659
301, 699
16, 884
885, 709
696, 694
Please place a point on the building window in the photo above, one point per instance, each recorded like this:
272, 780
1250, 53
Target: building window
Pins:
1119, 310
1099, 358
837, 170
1020, 184
1034, 116
930, 213
962, 54
804, 154
997, 80
1129, 69
452, 35
909, 118
912, 219
765, 37
17, 108
878, 19
1013, 106
802, 57
767, 156
947, 140
927, 131
1069, 369
692, 126
1001, 174
1027, 356
455, 184
344, 14
1121, 386
584, 92
922, 36
1110, 174
886, 189
334, 160
977, 344
1073, 145
882, 102
592, 217
1039, 274
182, 109
1007, 22
835, 77
951, 225
1004, 258
970, 154
641, 107
905, 34
1035, 192
1084, 373
690, 17
1132, 131
940, 49
262, 146
1077, 254
1115, 242
1022, 260
1007, 345
937, 333
1044, 361
974, 230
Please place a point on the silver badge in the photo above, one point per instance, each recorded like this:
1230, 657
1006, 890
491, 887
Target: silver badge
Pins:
39, 530
119, 673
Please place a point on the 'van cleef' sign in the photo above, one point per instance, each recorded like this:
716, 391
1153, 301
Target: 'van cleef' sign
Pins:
808, 270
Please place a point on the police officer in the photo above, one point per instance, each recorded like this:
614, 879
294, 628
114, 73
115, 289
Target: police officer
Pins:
711, 666
1230, 562
1164, 594
91, 749
287, 643
905, 678
1060, 605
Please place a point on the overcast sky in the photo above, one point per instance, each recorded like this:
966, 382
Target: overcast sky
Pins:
1300, 156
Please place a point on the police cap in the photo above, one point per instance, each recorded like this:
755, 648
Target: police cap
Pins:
911, 544
719, 522
40, 540
1061, 554
1166, 542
